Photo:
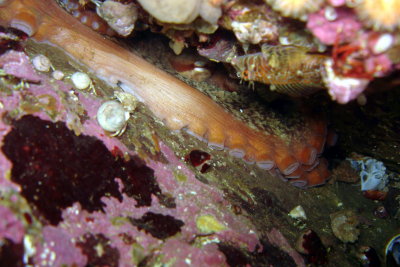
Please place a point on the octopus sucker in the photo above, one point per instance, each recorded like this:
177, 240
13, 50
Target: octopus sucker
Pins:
86, 17
379, 14
298, 183
286, 162
237, 153
249, 156
236, 145
26, 22
291, 168
317, 176
296, 174
304, 154
317, 141
312, 166
177, 104
197, 130
265, 159
216, 138
266, 164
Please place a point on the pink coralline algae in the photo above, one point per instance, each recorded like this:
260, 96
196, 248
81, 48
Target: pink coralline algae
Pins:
10, 226
16, 64
58, 249
341, 26
90, 206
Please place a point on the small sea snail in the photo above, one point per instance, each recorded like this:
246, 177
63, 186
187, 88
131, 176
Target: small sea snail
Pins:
113, 117
81, 80
41, 63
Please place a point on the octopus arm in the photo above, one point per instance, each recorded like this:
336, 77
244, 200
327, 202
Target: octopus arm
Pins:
177, 104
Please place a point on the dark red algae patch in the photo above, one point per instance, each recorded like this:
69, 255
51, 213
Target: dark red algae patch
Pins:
269, 256
98, 251
11, 254
158, 225
313, 248
199, 159
55, 168
11, 38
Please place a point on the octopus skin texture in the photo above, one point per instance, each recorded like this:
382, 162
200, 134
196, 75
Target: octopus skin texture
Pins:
181, 107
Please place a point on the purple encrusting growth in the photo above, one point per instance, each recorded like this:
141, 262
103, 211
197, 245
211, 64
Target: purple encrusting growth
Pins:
17, 64
57, 249
10, 227
53, 176
343, 28
91, 207
56, 168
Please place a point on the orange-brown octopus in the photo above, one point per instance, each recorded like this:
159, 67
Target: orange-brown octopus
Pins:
180, 106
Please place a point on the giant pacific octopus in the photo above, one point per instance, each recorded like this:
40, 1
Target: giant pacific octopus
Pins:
293, 155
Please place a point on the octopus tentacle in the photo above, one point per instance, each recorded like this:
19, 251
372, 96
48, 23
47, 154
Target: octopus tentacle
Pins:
313, 178
177, 104
87, 17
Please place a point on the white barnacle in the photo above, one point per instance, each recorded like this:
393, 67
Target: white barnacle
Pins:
81, 80
41, 63
128, 101
113, 117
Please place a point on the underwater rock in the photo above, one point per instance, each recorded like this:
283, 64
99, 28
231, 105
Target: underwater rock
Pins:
88, 199
106, 235
345, 173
